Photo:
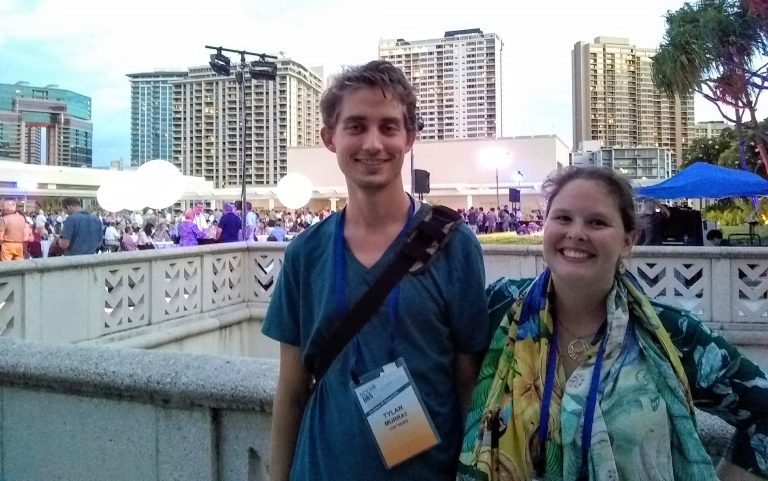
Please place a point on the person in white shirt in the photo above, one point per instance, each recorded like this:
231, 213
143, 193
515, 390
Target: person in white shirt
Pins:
201, 219
111, 238
40, 219
251, 219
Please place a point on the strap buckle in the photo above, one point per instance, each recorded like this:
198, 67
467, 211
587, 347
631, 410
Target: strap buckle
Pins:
429, 236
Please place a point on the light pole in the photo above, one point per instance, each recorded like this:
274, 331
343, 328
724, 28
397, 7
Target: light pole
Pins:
419, 127
262, 69
498, 158
26, 185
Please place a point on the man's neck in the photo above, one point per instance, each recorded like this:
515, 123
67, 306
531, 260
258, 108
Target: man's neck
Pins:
374, 211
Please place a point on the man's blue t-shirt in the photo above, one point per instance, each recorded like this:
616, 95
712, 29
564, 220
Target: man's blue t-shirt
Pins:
84, 232
230, 225
278, 233
440, 312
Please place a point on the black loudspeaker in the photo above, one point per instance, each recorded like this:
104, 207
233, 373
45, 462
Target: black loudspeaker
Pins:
514, 195
421, 181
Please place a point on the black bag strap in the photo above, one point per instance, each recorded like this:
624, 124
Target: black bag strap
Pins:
421, 247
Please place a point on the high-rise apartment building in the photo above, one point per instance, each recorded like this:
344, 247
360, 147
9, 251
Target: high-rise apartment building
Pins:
151, 116
710, 129
615, 101
457, 80
208, 115
45, 125
637, 163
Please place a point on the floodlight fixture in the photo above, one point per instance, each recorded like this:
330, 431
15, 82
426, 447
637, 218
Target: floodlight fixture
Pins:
263, 70
220, 64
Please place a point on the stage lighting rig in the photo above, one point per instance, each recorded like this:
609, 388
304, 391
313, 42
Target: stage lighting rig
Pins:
262, 69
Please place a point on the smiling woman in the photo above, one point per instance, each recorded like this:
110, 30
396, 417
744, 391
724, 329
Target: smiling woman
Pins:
608, 376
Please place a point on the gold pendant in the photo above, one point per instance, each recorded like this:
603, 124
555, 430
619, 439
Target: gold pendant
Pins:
577, 350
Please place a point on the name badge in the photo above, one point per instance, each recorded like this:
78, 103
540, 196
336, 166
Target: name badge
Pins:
396, 415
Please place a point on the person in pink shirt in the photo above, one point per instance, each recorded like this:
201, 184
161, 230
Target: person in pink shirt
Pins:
189, 232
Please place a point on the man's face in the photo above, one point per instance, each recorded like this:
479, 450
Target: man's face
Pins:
370, 140
198, 208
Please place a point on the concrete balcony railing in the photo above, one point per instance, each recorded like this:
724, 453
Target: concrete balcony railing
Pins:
89, 411
151, 299
148, 299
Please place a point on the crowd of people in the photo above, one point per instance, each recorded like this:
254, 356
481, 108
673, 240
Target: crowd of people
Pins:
36, 234
503, 219
74, 230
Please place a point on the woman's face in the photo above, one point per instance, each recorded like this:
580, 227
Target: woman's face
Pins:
584, 236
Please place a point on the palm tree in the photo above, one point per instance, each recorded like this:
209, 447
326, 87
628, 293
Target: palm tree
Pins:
710, 48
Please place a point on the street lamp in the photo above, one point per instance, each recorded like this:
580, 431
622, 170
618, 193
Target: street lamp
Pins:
496, 158
262, 69
26, 185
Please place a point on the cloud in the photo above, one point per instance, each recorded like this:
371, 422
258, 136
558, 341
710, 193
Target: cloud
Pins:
88, 46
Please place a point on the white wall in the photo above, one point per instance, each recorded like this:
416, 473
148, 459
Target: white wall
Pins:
450, 163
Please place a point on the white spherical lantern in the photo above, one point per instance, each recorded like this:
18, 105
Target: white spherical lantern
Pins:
132, 193
294, 191
109, 195
161, 182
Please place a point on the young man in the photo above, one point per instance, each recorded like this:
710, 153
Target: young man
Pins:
435, 321
82, 232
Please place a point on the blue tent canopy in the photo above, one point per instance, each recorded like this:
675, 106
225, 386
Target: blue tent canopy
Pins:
706, 180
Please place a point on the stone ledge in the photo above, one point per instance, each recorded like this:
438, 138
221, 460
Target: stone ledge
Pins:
161, 378
756, 337
715, 433
155, 335
182, 380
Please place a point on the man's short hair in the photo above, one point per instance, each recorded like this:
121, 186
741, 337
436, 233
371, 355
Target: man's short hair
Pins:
714, 234
70, 202
376, 74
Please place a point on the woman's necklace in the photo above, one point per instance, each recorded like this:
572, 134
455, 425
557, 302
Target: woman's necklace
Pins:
578, 347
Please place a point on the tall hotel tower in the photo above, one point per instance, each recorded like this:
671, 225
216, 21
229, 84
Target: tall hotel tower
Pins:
616, 103
457, 80
151, 115
207, 115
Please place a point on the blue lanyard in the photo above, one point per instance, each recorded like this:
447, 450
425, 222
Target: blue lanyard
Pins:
393, 299
589, 409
